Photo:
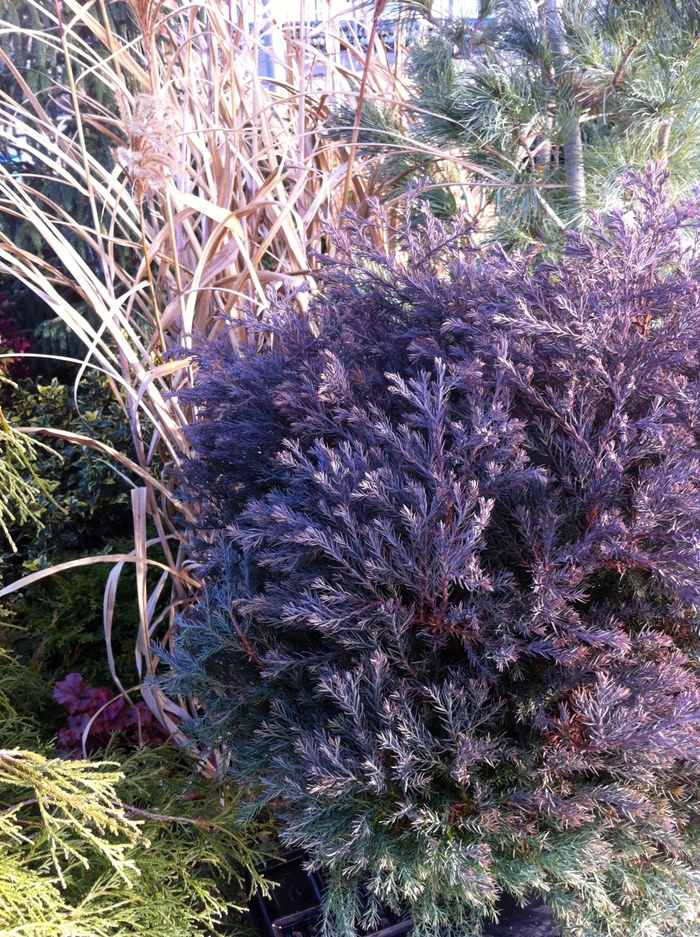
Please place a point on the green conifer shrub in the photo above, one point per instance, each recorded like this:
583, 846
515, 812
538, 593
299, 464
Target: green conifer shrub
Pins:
451, 540
549, 101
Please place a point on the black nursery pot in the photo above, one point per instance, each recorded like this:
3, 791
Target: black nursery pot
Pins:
294, 907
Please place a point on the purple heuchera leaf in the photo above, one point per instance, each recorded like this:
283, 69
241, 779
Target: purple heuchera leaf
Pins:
73, 693
109, 716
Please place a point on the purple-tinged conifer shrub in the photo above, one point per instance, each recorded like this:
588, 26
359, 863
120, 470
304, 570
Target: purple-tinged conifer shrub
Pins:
452, 553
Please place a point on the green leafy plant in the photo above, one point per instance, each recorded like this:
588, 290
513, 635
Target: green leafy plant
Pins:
90, 504
84, 507
23, 488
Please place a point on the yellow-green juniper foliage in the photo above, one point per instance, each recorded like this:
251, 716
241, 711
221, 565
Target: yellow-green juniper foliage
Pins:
21, 488
133, 845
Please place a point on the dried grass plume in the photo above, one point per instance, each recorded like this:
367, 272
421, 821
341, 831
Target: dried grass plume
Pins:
151, 156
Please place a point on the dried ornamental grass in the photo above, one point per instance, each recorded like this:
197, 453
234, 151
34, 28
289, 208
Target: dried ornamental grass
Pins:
202, 189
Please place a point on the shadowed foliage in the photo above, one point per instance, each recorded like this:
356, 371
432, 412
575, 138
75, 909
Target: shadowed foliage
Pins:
452, 574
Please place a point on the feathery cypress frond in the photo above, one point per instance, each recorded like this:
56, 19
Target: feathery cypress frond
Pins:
451, 552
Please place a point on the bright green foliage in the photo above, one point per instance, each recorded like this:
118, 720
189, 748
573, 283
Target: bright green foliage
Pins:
22, 491
74, 800
145, 846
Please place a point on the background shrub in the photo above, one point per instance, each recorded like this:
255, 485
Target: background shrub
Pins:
452, 552
91, 498
56, 625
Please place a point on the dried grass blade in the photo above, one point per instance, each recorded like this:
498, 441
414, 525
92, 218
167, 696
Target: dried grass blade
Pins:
139, 499
89, 561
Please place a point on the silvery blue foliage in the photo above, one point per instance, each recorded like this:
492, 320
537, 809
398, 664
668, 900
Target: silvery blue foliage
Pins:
451, 541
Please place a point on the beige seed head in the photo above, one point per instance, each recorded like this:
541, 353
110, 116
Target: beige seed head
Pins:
151, 156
